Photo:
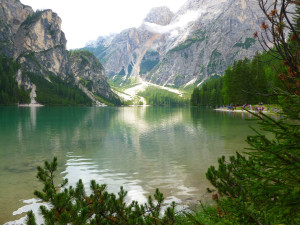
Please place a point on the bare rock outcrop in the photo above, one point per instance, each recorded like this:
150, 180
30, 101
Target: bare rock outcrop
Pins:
89, 72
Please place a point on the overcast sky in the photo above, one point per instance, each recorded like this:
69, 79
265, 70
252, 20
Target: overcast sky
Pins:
85, 20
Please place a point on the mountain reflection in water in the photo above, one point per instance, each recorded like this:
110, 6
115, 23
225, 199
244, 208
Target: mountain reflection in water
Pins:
139, 148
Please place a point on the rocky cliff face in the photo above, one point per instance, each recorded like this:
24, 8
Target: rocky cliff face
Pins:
89, 72
12, 15
200, 40
40, 46
160, 15
36, 41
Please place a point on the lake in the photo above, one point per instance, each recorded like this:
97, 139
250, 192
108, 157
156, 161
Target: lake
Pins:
140, 148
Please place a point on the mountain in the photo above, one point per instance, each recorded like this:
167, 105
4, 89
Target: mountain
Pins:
89, 76
182, 48
35, 40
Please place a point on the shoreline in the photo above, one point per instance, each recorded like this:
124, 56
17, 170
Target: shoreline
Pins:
30, 105
238, 110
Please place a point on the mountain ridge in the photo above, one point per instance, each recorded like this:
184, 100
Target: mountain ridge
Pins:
35, 40
201, 40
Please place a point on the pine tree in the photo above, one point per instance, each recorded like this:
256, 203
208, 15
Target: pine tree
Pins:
195, 98
70, 205
213, 98
262, 186
9, 91
259, 82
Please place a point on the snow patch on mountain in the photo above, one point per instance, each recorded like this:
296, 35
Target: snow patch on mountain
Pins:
179, 24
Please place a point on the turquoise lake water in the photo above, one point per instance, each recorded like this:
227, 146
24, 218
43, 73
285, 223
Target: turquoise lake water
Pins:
140, 148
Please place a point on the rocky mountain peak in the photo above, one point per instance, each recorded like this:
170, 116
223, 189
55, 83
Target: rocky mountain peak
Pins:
199, 41
160, 15
14, 13
41, 31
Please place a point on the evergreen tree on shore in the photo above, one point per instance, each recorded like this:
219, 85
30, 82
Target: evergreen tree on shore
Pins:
10, 93
262, 186
74, 206
246, 82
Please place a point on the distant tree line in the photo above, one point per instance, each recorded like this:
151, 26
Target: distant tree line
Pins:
246, 82
209, 94
114, 100
10, 93
58, 91
157, 96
